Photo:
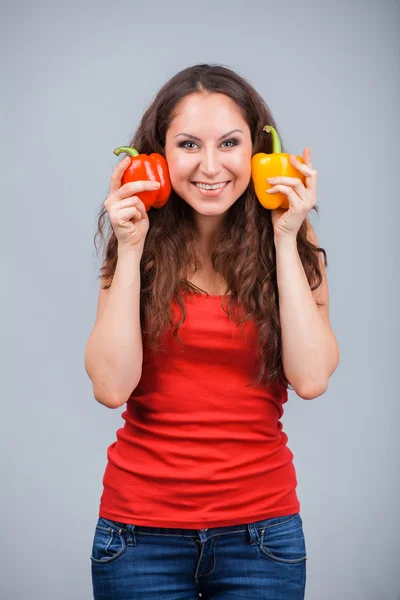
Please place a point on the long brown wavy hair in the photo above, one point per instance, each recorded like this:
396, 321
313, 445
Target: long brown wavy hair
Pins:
244, 252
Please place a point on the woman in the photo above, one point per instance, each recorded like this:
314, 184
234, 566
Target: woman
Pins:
210, 308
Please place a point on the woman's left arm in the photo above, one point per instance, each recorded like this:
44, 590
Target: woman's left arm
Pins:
310, 352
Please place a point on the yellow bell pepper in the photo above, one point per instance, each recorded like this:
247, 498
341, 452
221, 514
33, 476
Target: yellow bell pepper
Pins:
276, 164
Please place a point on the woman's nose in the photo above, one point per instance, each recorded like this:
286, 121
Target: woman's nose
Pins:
210, 163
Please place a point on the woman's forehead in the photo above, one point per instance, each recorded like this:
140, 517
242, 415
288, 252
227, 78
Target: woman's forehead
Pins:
215, 113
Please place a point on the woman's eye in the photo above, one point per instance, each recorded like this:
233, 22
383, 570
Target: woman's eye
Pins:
230, 142
183, 144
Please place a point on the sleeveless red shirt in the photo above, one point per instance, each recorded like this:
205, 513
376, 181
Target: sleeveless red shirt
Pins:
200, 447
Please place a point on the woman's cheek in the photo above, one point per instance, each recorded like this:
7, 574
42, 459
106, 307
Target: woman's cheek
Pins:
179, 169
242, 165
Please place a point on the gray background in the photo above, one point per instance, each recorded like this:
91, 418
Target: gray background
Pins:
76, 79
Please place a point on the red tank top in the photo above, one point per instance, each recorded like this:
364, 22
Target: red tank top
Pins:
200, 447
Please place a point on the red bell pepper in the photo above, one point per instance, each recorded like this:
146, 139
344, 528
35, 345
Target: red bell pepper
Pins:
143, 167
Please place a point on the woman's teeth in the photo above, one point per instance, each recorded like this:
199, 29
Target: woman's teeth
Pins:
204, 186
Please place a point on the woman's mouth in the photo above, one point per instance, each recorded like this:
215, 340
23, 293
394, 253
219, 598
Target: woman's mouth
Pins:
211, 190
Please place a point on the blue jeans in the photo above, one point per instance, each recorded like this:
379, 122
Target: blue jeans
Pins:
261, 560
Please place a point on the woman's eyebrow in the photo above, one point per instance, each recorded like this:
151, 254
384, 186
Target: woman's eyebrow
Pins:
199, 140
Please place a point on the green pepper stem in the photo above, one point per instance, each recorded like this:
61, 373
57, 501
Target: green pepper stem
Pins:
130, 151
276, 142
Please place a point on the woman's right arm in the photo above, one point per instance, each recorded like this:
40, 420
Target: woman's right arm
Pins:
114, 350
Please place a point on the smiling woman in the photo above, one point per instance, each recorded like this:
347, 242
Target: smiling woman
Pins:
208, 148
208, 122
189, 334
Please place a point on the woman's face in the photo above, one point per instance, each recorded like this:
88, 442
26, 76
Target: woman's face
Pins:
218, 155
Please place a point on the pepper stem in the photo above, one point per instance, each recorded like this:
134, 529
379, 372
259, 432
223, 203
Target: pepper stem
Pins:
276, 142
130, 151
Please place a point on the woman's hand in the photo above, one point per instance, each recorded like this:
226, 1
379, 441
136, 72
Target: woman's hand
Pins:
302, 198
127, 212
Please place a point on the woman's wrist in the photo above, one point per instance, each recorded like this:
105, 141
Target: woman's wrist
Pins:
129, 252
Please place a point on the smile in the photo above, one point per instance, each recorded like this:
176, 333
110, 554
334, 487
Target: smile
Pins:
211, 190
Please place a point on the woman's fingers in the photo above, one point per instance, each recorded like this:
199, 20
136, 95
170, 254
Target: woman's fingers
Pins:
115, 181
123, 215
134, 187
130, 203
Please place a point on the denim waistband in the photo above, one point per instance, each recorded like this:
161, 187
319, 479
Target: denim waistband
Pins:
178, 531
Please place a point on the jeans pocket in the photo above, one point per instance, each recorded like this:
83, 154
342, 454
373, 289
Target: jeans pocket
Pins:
284, 541
108, 543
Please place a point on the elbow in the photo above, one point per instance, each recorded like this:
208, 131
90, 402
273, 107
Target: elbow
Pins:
114, 400
311, 388
109, 401
308, 392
